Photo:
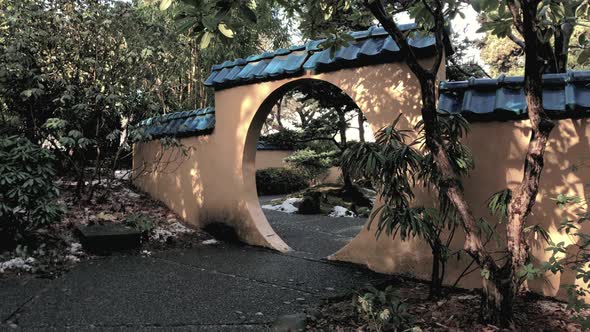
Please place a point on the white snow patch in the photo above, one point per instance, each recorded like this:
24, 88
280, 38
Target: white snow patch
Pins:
123, 174
17, 264
287, 206
164, 232
212, 241
72, 258
75, 252
75, 248
340, 211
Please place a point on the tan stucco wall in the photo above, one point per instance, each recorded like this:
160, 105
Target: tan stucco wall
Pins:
498, 149
271, 158
216, 180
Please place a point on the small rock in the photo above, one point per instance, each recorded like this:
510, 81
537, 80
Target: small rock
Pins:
331, 289
310, 204
300, 299
313, 314
290, 323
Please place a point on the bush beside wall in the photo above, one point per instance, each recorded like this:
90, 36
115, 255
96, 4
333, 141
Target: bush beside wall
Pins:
278, 181
28, 195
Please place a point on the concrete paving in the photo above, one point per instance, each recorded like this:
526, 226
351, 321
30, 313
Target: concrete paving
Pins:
222, 287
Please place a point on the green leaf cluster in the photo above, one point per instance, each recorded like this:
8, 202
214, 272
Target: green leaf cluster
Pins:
383, 310
28, 195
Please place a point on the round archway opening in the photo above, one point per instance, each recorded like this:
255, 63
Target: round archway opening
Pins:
292, 162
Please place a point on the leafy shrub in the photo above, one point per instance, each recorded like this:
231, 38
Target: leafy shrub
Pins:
141, 221
27, 191
312, 164
382, 309
571, 258
278, 181
285, 138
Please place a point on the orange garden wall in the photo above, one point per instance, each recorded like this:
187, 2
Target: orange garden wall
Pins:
271, 158
215, 181
275, 159
498, 149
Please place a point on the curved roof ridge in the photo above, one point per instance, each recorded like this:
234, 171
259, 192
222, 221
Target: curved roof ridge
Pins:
293, 61
197, 122
565, 95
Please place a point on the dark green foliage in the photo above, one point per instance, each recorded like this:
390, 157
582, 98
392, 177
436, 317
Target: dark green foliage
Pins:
460, 66
141, 221
278, 181
27, 191
569, 258
394, 164
383, 310
77, 75
285, 138
498, 203
312, 164
311, 203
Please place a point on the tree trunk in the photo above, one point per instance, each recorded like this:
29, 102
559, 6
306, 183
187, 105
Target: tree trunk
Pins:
492, 300
523, 198
494, 307
361, 119
343, 126
497, 301
437, 275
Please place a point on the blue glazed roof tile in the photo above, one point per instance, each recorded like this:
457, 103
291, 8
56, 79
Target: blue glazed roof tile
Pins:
258, 69
564, 95
180, 124
371, 46
222, 76
234, 72
295, 48
209, 80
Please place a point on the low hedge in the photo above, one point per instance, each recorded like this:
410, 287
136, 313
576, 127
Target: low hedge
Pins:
278, 181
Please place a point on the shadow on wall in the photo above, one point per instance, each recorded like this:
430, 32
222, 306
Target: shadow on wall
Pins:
381, 92
216, 182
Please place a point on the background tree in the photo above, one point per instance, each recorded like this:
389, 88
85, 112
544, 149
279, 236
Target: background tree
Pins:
395, 164
503, 56
77, 75
544, 31
545, 28
460, 66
